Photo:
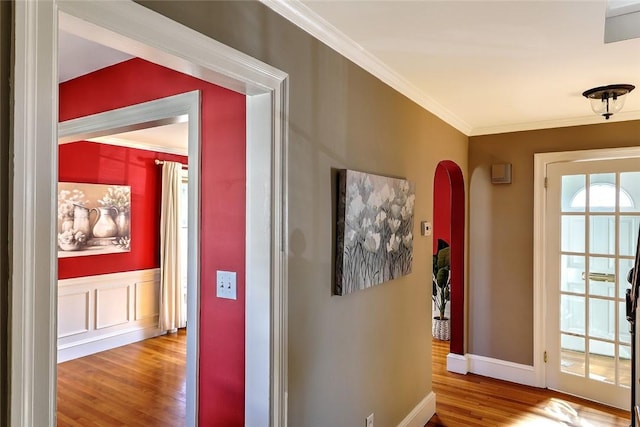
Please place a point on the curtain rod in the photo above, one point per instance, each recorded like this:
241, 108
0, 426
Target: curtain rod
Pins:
161, 162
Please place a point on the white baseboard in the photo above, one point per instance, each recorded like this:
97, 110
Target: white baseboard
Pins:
102, 343
422, 413
458, 363
502, 370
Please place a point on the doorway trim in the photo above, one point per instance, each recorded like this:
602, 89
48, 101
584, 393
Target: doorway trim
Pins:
541, 161
143, 116
140, 32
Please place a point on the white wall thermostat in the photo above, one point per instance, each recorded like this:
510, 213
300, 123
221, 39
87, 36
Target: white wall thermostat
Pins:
425, 228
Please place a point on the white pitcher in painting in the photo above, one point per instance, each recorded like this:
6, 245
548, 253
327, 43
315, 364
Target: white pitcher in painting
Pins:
105, 226
81, 219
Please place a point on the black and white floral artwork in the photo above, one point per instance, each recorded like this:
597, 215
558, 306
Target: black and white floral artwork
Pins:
93, 219
374, 230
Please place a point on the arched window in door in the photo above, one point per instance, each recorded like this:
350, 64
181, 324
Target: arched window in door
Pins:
603, 196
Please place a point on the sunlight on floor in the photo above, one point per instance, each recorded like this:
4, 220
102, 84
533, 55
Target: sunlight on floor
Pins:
557, 412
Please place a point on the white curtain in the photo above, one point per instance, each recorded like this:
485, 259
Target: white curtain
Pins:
172, 315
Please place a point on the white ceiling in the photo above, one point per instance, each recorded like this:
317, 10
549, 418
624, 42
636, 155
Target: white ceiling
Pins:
482, 66
171, 138
78, 56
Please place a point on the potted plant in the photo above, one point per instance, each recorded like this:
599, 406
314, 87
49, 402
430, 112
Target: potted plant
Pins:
441, 292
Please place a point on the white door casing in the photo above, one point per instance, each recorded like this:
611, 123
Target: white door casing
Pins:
171, 109
133, 29
543, 236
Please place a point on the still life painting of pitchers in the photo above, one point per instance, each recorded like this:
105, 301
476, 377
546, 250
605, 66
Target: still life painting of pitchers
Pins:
93, 219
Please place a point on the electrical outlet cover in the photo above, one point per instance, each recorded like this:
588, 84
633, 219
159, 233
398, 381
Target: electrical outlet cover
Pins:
369, 421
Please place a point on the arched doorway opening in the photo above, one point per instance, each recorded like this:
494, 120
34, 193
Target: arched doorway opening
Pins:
448, 225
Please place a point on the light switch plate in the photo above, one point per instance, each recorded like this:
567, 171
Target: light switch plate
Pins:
226, 284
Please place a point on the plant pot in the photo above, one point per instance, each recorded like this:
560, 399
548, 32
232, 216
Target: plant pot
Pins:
441, 329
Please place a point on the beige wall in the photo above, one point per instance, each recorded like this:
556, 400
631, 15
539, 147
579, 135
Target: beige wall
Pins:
5, 65
369, 351
500, 282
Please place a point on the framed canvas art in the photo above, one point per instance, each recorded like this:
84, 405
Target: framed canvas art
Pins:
93, 219
374, 230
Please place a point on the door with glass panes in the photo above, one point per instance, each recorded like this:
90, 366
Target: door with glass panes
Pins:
593, 216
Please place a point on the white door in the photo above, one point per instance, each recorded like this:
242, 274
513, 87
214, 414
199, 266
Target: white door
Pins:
593, 215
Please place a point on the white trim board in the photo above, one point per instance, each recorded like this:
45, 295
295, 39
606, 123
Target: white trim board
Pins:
81, 349
458, 363
540, 161
138, 31
159, 112
422, 413
492, 368
502, 370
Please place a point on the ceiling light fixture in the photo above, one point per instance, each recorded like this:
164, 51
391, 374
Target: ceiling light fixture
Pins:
607, 100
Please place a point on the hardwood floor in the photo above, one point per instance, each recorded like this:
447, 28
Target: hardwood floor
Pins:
603, 367
141, 384
473, 400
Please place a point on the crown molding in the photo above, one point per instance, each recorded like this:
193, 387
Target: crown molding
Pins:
303, 17
300, 15
557, 123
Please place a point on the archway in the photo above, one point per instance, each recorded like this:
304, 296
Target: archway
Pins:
448, 222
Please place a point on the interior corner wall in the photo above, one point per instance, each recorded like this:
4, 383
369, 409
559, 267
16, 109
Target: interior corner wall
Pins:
501, 231
222, 216
370, 351
5, 108
441, 208
94, 163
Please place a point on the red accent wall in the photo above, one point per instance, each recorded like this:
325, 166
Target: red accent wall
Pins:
108, 164
452, 201
223, 118
441, 207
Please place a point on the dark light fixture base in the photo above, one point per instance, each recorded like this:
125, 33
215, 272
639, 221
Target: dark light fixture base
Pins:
607, 100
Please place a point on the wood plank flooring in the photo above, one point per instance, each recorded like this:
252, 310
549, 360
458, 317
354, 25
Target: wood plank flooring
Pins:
603, 367
141, 384
474, 401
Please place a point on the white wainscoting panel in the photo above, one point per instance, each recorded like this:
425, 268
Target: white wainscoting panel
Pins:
73, 314
97, 313
147, 300
112, 306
